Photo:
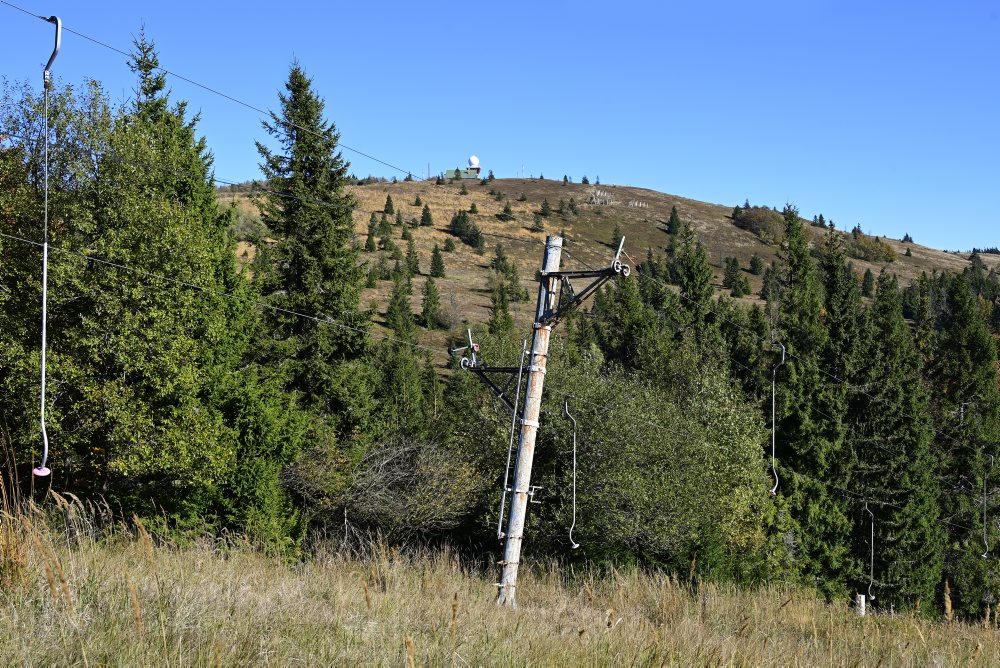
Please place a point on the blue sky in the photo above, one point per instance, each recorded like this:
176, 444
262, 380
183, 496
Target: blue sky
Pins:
883, 114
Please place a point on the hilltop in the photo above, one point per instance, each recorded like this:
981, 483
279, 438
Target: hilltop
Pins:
639, 213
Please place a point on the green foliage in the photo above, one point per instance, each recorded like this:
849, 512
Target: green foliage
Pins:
733, 278
388, 209
154, 404
546, 209
462, 227
473, 209
810, 448
674, 222
764, 222
501, 322
756, 265
572, 206
537, 223
426, 220
449, 245
398, 315
894, 460
430, 312
507, 213
872, 249
312, 268
437, 263
464, 190
417, 201
507, 276
694, 275
522, 198
966, 405
868, 284
370, 242
412, 259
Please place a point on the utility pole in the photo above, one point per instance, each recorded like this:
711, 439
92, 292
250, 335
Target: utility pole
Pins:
547, 296
556, 298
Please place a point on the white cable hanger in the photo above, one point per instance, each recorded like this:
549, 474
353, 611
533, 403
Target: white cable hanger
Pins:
42, 470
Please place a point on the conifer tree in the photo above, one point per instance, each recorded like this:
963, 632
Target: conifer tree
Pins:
810, 445
731, 275
437, 263
426, 220
756, 265
546, 210
313, 267
431, 309
370, 242
868, 284
417, 201
967, 413
449, 245
412, 259
473, 209
388, 209
674, 222
694, 275
891, 441
501, 321
398, 315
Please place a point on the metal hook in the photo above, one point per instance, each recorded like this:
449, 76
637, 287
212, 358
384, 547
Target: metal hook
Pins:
774, 378
572, 526
47, 75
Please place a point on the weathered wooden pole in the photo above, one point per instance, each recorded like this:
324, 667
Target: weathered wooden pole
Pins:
547, 296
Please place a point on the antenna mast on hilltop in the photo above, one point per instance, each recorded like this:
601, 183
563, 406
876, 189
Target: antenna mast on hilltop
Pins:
556, 298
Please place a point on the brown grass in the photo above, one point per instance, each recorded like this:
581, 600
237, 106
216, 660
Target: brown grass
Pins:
123, 600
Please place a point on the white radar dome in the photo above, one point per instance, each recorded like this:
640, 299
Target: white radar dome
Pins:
474, 161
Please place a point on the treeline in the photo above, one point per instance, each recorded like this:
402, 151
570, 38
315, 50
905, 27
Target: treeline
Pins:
874, 413
202, 410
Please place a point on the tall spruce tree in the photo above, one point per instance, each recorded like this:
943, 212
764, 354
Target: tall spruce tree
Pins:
312, 267
437, 263
430, 311
674, 222
967, 411
809, 443
693, 274
894, 467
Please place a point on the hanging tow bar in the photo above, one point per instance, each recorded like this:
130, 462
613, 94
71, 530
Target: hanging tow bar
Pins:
43, 470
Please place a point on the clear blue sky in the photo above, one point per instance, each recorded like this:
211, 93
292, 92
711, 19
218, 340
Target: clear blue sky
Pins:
883, 114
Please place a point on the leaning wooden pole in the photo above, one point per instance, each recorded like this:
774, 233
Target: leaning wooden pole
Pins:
547, 296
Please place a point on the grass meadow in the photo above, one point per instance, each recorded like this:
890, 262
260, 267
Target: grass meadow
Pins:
81, 589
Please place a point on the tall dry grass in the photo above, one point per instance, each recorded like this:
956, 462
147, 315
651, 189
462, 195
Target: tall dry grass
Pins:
85, 594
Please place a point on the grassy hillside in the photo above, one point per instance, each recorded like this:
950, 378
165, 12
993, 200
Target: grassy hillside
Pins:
641, 215
69, 599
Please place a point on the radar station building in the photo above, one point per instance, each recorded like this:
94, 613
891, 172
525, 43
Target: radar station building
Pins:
470, 172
